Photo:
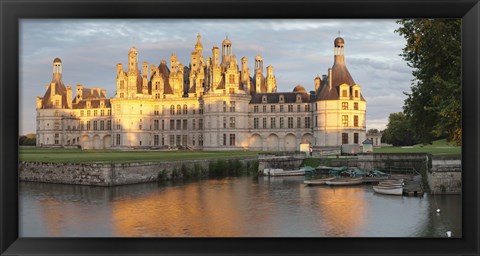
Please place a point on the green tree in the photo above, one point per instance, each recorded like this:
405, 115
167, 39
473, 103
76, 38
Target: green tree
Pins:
433, 50
399, 131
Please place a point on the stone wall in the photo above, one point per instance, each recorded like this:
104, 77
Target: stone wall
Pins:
445, 176
107, 174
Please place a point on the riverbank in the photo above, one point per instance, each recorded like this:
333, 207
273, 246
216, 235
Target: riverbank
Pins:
113, 174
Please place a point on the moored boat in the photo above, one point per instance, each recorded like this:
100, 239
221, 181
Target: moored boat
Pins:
344, 181
318, 181
281, 172
398, 191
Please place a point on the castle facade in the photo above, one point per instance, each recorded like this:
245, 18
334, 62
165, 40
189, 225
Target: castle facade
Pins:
214, 103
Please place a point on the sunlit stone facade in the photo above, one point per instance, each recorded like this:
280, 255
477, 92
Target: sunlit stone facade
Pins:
214, 103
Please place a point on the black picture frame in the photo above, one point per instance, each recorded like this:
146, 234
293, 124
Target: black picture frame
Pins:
11, 11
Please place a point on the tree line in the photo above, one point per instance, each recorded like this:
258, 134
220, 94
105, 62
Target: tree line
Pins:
432, 109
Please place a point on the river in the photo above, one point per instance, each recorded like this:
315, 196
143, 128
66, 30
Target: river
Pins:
232, 207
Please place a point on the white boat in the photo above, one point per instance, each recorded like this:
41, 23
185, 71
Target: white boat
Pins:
398, 191
318, 181
281, 172
344, 181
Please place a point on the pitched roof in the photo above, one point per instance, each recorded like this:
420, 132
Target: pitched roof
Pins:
288, 97
59, 89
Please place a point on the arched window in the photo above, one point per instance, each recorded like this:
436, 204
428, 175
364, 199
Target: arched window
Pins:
172, 110
179, 110
185, 109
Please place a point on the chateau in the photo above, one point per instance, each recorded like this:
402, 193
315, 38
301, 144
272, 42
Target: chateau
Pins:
213, 103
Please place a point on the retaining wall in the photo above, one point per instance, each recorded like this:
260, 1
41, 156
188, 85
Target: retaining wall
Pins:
445, 176
107, 174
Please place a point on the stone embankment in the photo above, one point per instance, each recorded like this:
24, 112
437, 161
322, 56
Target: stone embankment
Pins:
445, 176
112, 174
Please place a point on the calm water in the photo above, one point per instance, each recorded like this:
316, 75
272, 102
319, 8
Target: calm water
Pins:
231, 207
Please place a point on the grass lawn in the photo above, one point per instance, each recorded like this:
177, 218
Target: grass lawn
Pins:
439, 147
33, 154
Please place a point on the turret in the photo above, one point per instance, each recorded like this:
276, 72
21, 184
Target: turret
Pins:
57, 69
132, 61
69, 96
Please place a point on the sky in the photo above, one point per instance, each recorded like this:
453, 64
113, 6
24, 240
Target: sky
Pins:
299, 50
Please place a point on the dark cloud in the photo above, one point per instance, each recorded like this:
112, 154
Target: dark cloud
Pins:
297, 49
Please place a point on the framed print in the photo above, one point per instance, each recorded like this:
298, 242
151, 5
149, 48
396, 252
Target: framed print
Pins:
216, 127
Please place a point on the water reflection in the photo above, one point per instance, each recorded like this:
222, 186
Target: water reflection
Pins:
231, 207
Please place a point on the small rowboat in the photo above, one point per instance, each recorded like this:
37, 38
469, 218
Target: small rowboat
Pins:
318, 181
397, 191
344, 181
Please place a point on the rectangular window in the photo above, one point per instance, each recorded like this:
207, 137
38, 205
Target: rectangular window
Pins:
109, 113
307, 108
224, 106
155, 140
179, 140
155, 124
344, 93
185, 109
232, 106
81, 112
355, 105
264, 123
290, 122
185, 124
194, 124
95, 112
88, 125
193, 140
172, 140
264, 109
307, 122
200, 126
88, 112
117, 139
232, 122
298, 108
179, 124
355, 121
356, 93
299, 122
344, 105
172, 110
184, 139
231, 79
200, 140
102, 125
281, 108
231, 90
290, 108
163, 125
273, 123
281, 123
255, 123
355, 138
109, 124
200, 111
163, 140
172, 125
232, 139
345, 121
119, 124
95, 125
224, 139
224, 123
272, 108
102, 112
156, 110
255, 109
344, 138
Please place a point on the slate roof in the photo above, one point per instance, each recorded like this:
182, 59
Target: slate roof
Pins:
59, 89
288, 97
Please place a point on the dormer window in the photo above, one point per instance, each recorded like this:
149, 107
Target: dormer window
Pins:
344, 93
88, 104
281, 99
299, 98
264, 99
356, 93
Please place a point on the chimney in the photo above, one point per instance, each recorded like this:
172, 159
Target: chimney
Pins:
69, 96
52, 90
330, 78
79, 93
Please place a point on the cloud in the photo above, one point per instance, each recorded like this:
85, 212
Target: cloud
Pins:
297, 49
